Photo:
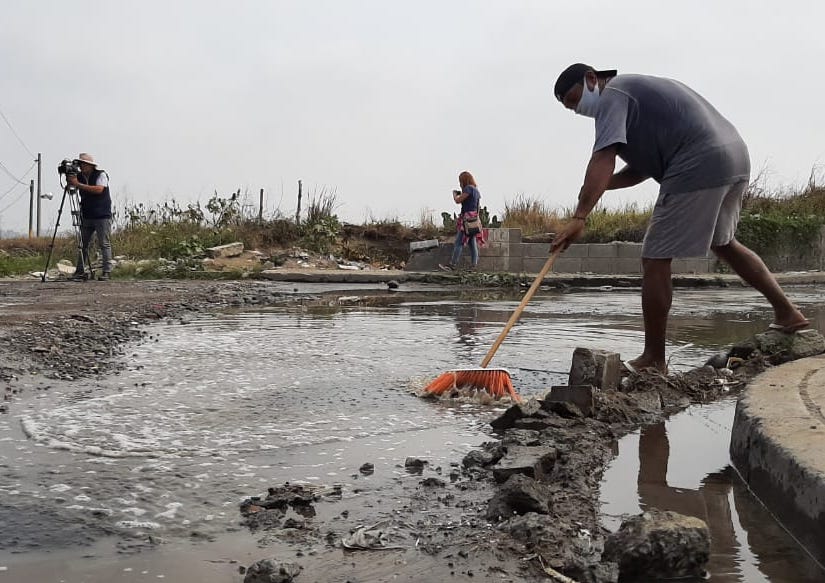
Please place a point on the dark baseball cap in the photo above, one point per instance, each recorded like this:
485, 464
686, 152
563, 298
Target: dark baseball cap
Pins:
575, 74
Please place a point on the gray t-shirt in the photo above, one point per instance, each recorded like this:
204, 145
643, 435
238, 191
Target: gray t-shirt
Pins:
668, 132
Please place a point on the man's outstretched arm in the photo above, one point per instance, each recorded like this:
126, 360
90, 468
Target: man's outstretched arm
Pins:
625, 178
597, 179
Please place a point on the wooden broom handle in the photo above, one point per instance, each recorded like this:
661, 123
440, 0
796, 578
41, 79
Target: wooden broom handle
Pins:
517, 313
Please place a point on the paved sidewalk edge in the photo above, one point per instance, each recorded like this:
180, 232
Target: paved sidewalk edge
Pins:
778, 447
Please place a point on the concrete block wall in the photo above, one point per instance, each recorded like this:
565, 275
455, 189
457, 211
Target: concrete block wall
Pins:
790, 256
505, 251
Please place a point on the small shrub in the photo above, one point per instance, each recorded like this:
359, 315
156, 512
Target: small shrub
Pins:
767, 233
531, 215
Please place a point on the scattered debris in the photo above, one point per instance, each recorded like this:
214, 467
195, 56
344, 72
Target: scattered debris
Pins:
271, 571
369, 538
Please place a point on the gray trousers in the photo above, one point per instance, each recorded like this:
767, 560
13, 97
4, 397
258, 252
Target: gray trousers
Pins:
103, 228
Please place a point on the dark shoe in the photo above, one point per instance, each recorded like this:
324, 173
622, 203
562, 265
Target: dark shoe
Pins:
79, 276
105, 276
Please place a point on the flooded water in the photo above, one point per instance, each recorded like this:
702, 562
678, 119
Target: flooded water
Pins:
683, 465
211, 412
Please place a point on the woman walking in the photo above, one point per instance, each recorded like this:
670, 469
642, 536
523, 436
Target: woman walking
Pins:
468, 224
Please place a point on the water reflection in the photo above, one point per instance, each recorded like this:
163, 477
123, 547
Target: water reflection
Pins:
682, 466
467, 324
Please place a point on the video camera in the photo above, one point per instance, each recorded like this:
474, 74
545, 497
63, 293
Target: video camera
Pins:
68, 167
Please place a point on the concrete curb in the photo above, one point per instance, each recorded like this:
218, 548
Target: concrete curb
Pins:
778, 447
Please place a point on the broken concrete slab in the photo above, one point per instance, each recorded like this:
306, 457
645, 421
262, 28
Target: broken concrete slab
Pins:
423, 245
781, 348
483, 457
599, 368
579, 395
535, 462
659, 545
526, 437
228, 250
519, 495
524, 409
540, 421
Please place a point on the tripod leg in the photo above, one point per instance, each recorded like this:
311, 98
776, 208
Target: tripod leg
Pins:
54, 235
85, 264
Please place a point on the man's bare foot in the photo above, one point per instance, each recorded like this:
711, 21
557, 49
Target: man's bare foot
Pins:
642, 364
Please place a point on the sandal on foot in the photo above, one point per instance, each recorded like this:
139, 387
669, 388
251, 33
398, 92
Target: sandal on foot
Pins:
790, 328
627, 369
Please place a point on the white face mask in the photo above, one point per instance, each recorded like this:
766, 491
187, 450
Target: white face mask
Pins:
589, 102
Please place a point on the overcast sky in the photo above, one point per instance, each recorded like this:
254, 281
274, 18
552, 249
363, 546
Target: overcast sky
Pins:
381, 102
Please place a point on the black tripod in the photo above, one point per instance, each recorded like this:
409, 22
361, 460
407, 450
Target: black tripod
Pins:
73, 194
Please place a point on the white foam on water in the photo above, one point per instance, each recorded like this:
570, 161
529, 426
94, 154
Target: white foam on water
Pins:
134, 524
200, 400
172, 510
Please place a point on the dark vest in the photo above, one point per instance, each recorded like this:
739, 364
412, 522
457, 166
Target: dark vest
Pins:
95, 206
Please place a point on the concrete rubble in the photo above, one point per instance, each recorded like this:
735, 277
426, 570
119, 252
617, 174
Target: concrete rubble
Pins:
659, 545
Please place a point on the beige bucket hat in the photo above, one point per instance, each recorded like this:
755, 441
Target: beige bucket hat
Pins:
87, 158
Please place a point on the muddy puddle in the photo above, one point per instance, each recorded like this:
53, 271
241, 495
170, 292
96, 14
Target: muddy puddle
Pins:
140, 474
683, 465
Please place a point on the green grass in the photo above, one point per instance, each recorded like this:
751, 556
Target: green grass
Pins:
627, 224
534, 216
19, 264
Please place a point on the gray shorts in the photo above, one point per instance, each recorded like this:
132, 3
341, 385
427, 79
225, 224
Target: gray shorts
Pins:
688, 224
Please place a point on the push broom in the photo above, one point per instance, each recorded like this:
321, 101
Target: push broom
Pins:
496, 381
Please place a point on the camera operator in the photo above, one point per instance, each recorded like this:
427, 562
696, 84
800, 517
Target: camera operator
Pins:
95, 213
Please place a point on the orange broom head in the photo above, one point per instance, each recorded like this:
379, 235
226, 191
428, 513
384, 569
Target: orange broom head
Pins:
496, 381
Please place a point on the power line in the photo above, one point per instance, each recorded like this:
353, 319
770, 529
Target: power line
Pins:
12, 176
8, 123
5, 208
18, 181
2, 196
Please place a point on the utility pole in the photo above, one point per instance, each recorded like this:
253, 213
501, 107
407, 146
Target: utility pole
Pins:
261, 207
39, 189
31, 208
298, 212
